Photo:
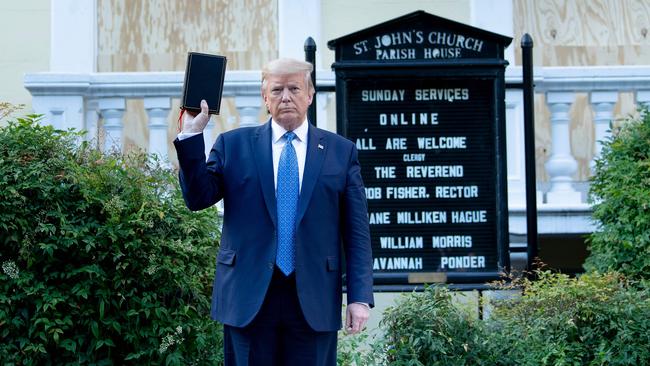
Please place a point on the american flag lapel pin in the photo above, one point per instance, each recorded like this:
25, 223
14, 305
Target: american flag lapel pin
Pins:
320, 146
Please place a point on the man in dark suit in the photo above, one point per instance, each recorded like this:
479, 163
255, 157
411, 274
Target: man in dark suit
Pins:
294, 212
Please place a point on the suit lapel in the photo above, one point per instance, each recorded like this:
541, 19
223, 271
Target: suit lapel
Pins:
261, 142
316, 149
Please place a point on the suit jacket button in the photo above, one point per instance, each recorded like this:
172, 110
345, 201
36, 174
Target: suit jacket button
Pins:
270, 265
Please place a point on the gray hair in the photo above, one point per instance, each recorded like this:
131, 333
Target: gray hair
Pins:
284, 66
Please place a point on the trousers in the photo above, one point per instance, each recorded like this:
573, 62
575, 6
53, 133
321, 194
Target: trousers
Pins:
279, 335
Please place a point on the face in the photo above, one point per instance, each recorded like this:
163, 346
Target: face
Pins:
287, 97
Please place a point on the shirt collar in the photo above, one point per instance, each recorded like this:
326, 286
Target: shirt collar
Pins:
279, 131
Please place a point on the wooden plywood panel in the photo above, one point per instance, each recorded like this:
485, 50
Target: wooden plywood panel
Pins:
584, 32
136, 131
542, 137
626, 107
156, 36
581, 33
581, 135
581, 131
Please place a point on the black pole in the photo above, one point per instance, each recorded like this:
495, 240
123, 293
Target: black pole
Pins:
529, 147
310, 56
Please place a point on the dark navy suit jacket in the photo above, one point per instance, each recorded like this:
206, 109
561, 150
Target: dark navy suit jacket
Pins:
332, 222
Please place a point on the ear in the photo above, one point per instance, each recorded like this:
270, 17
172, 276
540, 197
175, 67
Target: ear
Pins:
266, 103
265, 98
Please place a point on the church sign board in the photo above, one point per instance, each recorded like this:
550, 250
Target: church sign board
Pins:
423, 98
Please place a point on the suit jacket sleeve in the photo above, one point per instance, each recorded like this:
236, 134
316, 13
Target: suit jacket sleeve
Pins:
356, 236
201, 181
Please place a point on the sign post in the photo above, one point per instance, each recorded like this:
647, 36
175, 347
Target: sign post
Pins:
423, 98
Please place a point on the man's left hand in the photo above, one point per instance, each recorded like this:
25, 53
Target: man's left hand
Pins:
356, 317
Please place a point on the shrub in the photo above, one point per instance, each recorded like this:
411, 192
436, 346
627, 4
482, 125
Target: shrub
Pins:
597, 319
620, 193
102, 263
355, 349
426, 328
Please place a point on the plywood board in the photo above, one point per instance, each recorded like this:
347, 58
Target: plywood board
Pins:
581, 33
156, 36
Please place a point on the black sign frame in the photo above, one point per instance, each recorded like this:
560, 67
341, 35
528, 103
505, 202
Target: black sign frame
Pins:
347, 75
490, 70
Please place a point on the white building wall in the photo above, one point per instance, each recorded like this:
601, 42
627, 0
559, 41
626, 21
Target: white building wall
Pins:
74, 36
25, 45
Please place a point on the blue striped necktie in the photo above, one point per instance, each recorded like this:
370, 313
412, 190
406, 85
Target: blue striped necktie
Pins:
287, 202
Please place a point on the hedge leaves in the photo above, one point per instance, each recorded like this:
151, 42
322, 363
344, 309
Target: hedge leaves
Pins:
102, 263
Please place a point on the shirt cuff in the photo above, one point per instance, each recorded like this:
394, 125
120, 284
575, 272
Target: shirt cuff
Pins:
363, 303
186, 135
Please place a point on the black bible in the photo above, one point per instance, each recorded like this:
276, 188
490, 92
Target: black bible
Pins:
204, 77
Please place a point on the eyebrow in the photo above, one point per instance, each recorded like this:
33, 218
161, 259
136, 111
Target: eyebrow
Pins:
289, 85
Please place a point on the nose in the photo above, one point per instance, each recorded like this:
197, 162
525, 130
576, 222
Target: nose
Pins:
286, 95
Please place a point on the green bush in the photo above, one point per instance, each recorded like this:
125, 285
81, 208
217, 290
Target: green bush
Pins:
597, 319
426, 328
355, 349
102, 263
620, 193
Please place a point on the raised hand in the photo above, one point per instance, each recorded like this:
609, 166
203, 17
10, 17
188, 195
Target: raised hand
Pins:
196, 123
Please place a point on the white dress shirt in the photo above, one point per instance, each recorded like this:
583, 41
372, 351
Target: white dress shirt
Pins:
299, 144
